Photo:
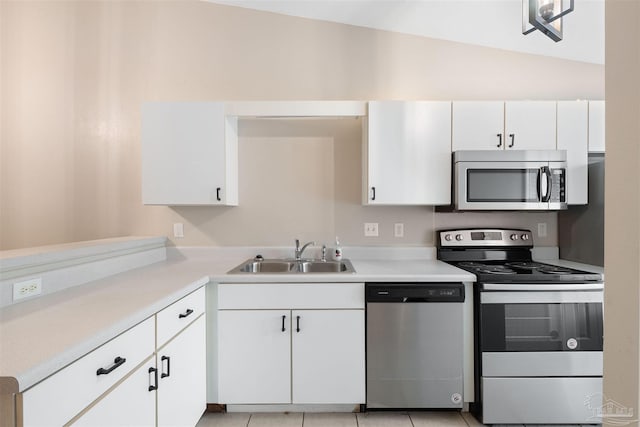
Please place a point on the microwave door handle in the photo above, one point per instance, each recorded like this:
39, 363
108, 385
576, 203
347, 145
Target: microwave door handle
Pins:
547, 193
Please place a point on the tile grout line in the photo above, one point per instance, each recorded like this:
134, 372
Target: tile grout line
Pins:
410, 419
303, 419
249, 420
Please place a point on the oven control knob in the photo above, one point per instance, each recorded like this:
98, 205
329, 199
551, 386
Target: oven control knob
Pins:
448, 237
458, 237
525, 237
514, 237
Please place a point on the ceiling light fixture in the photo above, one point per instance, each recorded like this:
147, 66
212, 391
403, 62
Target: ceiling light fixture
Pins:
544, 15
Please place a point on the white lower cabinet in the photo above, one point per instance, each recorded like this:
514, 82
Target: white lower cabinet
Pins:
130, 404
129, 381
182, 379
328, 356
283, 355
254, 356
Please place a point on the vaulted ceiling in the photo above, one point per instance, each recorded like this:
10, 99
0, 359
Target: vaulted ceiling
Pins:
492, 23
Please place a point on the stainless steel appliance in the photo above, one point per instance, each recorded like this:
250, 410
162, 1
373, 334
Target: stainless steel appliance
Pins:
539, 332
414, 345
510, 180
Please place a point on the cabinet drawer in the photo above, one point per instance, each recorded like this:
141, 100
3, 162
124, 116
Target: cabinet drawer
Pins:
60, 397
290, 295
178, 315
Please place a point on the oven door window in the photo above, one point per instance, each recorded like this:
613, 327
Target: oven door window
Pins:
503, 185
541, 327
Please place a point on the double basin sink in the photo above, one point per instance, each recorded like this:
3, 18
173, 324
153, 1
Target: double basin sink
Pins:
293, 266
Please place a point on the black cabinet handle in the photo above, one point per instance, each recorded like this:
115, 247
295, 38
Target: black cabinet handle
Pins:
297, 323
513, 139
499, 140
185, 314
117, 362
168, 359
373, 193
153, 371
283, 317
218, 194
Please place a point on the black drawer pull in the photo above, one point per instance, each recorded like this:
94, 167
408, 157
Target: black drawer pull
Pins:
373, 193
499, 140
283, 317
168, 359
513, 139
153, 371
297, 323
117, 362
218, 194
185, 314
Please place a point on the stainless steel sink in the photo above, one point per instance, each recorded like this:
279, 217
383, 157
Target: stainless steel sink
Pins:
291, 266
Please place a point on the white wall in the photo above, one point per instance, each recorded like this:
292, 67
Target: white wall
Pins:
74, 75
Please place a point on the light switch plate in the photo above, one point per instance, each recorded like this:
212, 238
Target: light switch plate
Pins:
542, 229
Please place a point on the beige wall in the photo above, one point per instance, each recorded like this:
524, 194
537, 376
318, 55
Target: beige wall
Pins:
74, 75
622, 205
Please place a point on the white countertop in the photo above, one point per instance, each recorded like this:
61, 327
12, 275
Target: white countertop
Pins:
43, 335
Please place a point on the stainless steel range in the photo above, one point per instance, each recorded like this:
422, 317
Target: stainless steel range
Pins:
538, 330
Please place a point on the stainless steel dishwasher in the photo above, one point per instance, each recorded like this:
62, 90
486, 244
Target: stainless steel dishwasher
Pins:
414, 345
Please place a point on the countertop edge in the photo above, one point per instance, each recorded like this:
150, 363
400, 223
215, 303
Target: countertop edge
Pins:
25, 380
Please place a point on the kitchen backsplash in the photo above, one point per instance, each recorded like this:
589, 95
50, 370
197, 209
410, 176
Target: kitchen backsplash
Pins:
302, 179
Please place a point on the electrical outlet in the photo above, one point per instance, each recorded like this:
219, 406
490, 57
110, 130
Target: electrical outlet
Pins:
178, 229
542, 229
371, 229
27, 288
398, 229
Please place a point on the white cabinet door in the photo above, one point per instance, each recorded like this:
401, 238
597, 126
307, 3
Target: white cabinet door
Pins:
254, 356
182, 377
530, 125
189, 154
572, 137
328, 356
407, 153
596, 126
129, 404
478, 125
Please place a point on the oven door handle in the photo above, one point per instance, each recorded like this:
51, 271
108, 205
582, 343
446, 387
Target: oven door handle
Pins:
541, 297
513, 287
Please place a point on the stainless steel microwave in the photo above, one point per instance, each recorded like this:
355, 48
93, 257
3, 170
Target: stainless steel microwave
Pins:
510, 180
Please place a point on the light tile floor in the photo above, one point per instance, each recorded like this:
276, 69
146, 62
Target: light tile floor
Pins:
367, 419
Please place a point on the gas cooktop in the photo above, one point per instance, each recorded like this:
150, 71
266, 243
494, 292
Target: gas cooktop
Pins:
503, 256
525, 271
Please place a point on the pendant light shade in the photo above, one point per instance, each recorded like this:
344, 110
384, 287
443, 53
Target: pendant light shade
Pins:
546, 16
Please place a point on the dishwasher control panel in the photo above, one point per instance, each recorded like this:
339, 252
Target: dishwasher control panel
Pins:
414, 292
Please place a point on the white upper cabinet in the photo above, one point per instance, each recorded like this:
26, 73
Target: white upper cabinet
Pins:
596, 127
497, 125
573, 124
530, 125
478, 125
407, 153
189, 154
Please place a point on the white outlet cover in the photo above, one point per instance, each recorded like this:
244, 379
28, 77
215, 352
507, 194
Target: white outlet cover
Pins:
178, 229
27, 288
371, 229
398, 229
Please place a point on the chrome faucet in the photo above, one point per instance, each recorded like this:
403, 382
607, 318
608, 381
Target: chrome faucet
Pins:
299, 250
